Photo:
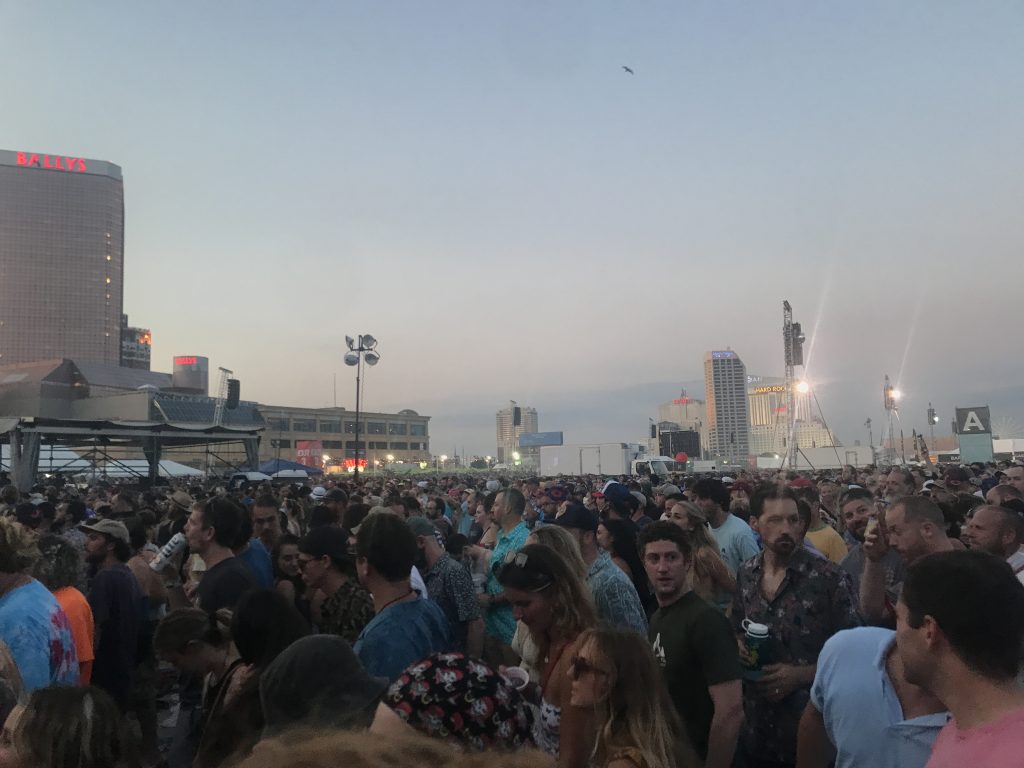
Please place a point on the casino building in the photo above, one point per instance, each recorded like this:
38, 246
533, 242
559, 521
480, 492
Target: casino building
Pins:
61, 258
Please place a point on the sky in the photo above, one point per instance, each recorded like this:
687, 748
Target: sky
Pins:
485, 189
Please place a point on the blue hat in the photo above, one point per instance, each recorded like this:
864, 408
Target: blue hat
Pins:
577, 516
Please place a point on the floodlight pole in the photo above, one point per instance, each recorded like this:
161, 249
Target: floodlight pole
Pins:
358, 350
359, 371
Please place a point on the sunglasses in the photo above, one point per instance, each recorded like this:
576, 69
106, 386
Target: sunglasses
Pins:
538, 580
580, 667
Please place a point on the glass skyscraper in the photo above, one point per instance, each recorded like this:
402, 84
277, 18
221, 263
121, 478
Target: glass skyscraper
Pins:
61, 258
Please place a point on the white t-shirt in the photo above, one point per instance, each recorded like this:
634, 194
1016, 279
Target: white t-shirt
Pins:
1016, 561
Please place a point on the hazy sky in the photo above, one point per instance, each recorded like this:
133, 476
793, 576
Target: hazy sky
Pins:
482, 187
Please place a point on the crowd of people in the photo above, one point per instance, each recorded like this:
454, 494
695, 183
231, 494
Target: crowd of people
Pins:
860, 618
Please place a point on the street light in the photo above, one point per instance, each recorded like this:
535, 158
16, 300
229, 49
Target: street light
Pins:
363, 350
803, 387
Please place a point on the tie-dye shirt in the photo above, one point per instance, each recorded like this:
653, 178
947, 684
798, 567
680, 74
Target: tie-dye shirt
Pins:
35, 628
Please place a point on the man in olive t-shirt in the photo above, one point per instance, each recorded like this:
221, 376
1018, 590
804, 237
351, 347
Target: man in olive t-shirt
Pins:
695, 646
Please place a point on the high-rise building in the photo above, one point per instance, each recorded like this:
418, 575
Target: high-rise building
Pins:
687, 414
725, 388
61, 258
136, 346
768, 402
508, 431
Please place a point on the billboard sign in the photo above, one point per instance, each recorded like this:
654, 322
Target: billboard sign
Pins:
537, 439
973, 421
974, 429
309, 453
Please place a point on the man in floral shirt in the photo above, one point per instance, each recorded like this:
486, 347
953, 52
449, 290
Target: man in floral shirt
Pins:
803, 600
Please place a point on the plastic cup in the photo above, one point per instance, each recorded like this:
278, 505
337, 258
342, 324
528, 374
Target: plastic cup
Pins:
517, 677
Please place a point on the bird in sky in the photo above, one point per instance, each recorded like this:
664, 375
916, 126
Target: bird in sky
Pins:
630, 71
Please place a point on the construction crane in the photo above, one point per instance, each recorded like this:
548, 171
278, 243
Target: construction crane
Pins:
222, 396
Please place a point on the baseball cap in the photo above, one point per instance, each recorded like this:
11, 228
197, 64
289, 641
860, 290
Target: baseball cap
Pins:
115, 529
557, 493
726, 480
667, 489
336, 494
616, 493
421, 526
577, 516
958, 475
640, 498
318, 494
326, 540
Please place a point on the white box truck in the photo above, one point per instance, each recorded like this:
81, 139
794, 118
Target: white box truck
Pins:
603, 459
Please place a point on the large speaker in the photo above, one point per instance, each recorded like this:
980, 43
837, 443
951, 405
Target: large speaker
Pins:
234, 391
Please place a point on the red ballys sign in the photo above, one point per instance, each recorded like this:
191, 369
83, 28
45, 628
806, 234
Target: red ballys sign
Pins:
53, 163
185, 361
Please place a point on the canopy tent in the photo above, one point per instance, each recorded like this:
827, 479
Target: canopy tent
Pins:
100, 445
273, 466
290, 474
55, 459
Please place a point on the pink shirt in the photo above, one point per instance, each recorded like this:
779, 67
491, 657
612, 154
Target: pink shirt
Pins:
995, 745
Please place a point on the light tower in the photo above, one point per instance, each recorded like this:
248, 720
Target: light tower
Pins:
793, 345
890, 398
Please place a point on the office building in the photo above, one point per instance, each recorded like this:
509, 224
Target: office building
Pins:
136, 346
684, 412
508, 432
687, 414
61, 258
304, 434
725, 395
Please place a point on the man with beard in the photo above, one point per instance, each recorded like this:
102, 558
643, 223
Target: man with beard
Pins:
899, 482
1000, 532
856, 507
116, 601
734, 537
803, 600
451, 587
912, 527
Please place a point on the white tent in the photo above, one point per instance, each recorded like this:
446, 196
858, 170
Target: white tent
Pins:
54, 459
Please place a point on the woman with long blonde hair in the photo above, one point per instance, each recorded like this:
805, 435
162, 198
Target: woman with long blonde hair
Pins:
616, 675
555, 605
712, 579
563, 543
